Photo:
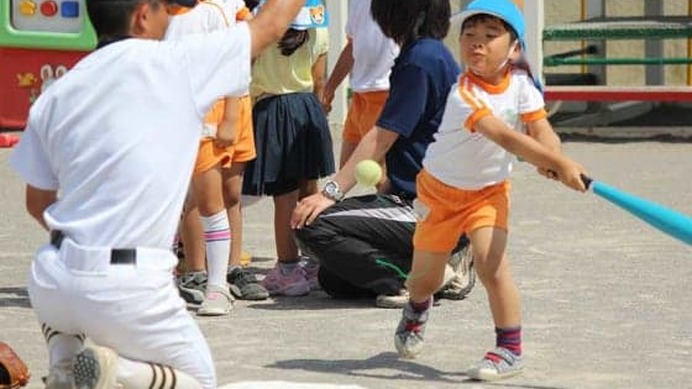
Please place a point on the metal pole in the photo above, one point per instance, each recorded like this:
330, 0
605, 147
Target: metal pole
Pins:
338, 12
655, 74
689, 47
534, 14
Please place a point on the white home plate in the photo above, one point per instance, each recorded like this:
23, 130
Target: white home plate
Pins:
285, 385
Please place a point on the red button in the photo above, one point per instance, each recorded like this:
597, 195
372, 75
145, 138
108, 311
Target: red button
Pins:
49, 8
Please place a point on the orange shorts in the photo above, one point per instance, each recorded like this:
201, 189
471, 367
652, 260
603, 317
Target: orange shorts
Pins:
363, 113
447, 212
243, 150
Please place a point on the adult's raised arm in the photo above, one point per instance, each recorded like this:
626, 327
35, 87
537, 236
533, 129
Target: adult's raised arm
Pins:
271, 22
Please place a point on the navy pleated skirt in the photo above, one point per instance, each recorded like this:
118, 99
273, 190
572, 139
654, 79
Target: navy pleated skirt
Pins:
293, 143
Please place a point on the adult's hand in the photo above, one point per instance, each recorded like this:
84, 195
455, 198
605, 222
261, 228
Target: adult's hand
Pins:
308, 209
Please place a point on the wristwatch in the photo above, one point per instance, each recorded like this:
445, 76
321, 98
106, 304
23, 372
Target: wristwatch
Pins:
332, 191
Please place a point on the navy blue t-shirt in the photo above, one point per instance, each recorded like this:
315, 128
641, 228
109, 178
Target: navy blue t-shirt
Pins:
420, 81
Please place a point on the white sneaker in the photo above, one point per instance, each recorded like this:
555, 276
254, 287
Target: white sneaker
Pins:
217, 302
96, 368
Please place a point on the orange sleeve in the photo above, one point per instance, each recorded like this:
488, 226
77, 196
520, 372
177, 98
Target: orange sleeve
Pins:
475, 117
533, 116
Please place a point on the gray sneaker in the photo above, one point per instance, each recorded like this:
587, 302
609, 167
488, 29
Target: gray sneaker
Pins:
192, 286
464, 277
392, 301
408, 338
245, 286
95, 368
217, 302
497, 364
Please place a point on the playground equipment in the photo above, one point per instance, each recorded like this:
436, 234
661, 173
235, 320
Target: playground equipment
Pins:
39, 41
594, 30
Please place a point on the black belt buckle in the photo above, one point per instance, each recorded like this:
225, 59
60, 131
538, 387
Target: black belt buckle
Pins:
118, 256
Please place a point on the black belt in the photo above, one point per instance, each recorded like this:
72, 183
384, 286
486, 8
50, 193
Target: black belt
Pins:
118, 256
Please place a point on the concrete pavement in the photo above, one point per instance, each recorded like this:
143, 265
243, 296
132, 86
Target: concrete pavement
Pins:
607, 300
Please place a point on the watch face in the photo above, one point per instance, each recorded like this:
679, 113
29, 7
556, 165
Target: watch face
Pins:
331, 190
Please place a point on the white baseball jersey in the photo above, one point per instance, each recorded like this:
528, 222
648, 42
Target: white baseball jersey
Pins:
465, 159
117, 135
373, 53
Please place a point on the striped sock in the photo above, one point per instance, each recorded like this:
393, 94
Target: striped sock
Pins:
217, 240
509, 338
135, 374
422, 306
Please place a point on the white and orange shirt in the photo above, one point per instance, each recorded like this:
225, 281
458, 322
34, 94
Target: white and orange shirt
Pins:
237, 8
373, 52
466, 159
206, 17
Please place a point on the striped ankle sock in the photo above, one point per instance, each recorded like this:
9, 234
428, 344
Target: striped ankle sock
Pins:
509, 338
422, 306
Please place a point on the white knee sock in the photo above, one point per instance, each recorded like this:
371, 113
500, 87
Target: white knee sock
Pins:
217, 239
137, 375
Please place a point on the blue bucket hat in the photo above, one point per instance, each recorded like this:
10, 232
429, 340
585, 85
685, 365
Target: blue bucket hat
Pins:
313, 15
506, 10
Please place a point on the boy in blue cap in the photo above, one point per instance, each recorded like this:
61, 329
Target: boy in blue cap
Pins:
495, 111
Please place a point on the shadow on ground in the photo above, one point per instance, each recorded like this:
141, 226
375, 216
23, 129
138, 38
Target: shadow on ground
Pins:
377, 367
373, 367
318, 301
14, 297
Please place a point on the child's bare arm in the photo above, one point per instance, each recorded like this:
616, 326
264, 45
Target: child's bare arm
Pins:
342, 68
227, 133
543, 133
526, 147
37, 201
319, 70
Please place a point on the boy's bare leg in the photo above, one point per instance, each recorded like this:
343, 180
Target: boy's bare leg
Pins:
493, 270
243, 284
191, 236
233, 185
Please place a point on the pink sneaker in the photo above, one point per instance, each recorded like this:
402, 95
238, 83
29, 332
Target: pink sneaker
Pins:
293, 283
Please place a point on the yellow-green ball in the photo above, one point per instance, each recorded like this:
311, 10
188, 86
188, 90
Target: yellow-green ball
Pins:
368, 173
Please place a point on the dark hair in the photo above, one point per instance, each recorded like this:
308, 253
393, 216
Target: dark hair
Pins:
292, 40
251, 4
111, 18
405, 21
472, 20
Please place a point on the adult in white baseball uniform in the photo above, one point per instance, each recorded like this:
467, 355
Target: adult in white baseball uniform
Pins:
107, 157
